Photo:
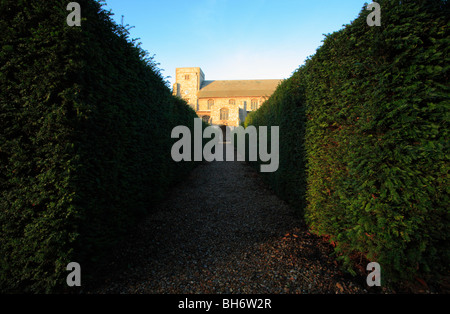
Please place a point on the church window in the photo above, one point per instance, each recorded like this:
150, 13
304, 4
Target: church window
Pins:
224, 114
254, 104
186, 77
210, 103
232, 102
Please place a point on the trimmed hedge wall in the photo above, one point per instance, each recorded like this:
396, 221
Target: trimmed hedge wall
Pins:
85, 143
374, 106
286, 109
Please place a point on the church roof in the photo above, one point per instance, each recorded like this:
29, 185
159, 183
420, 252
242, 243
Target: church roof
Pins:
238, 88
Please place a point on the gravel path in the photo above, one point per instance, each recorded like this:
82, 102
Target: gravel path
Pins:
224, 231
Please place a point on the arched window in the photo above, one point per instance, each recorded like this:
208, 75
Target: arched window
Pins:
254, 104
224, 114
210, 103
232, 102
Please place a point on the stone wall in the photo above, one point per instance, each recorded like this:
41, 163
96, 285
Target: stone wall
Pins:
188, 82
243, 103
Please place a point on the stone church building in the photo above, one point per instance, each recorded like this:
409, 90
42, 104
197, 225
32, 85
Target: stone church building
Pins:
221, 102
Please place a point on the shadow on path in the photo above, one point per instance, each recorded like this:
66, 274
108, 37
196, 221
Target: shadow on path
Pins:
224, 231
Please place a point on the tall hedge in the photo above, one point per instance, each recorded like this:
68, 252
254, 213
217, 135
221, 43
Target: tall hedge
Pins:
376, 106
285, 109
85, 143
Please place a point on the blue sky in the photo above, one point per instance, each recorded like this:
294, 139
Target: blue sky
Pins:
233, 39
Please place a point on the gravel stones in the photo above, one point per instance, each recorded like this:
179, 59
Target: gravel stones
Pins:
223, 231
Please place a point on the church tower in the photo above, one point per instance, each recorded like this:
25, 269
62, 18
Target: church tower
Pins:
188, 82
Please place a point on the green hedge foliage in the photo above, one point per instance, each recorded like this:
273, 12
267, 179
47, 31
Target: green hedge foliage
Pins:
369, 114
85, 143
286, 109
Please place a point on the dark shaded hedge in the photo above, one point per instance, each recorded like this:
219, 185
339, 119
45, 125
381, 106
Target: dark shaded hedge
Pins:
286, 109
85, 143
374, 106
